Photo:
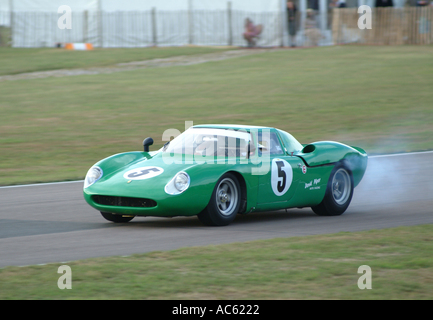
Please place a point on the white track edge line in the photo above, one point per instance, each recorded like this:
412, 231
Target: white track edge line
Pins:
82, 181
400, 154
41, 184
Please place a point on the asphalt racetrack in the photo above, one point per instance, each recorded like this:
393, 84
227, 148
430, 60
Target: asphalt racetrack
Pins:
52, 223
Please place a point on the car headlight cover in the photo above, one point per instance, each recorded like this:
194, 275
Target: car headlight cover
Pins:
181, 181
94, 174
178, 184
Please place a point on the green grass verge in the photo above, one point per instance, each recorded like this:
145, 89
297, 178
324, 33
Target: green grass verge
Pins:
378, 98
309, 267
20, 60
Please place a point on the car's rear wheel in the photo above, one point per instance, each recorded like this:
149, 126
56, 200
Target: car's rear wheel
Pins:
118, 218
224, 203
338, 194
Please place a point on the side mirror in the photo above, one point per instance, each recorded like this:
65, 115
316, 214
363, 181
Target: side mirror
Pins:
146, 143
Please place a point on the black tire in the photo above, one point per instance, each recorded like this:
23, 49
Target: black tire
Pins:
117, 218
224, 203
339, 192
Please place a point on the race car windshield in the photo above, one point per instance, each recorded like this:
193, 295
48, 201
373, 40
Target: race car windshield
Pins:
211, 142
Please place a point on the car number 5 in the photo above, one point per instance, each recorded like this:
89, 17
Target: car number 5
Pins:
281, 176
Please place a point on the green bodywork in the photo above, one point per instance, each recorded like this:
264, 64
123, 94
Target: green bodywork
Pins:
311, 167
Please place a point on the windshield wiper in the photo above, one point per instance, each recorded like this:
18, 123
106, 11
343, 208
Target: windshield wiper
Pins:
165, 146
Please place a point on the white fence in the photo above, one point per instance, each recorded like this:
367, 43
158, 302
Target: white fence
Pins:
143, 28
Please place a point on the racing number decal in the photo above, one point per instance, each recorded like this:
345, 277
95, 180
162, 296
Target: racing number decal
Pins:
143, 173
281, 176
281, 184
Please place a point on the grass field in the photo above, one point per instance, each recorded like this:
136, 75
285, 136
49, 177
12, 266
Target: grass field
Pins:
378, 98
54, 129
309, 267
21, 60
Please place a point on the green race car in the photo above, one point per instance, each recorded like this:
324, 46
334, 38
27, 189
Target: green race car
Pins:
219, 171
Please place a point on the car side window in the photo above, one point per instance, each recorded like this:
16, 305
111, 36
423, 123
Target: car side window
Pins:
219, 145
290, 143
268, 142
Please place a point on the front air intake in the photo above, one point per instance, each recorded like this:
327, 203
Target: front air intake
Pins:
124, 201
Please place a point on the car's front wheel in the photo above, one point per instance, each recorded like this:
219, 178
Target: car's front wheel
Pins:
338, 194
118, 218
224, 203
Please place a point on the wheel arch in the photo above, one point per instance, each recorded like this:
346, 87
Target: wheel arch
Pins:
357, 165
331, 152
244, 192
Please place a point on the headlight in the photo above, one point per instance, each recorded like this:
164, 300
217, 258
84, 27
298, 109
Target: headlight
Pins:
93, 175
178, 184
181, 181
